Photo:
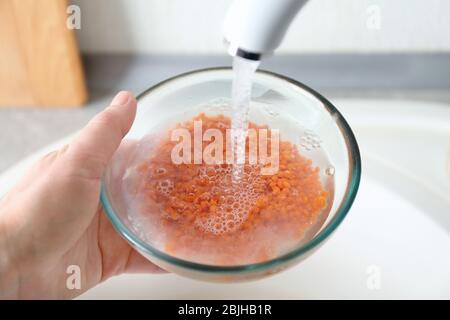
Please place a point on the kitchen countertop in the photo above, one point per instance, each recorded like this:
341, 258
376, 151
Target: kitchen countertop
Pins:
416, 77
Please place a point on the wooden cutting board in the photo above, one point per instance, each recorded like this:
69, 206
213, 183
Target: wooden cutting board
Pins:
40, 63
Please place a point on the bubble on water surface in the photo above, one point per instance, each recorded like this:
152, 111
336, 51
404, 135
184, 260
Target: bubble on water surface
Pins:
236, 200
330, 171
271, 112
309, 140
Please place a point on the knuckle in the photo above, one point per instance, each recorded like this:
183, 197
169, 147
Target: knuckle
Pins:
85, 165
107, 117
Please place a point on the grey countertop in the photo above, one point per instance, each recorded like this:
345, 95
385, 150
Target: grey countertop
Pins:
425, 77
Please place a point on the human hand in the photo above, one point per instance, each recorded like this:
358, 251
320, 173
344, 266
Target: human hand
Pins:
52, 219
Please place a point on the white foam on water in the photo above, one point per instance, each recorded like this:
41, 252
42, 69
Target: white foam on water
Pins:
236, 200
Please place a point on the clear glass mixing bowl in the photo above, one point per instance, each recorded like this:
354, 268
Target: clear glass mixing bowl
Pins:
184, 96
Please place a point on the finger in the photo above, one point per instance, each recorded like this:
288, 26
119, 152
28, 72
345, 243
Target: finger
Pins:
96, 143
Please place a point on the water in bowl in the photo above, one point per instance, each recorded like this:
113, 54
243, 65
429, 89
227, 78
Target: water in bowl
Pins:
199, 213
230, 213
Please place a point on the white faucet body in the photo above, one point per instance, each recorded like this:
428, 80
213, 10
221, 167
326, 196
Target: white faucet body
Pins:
254, 28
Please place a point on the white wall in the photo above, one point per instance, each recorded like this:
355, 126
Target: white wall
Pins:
194, 26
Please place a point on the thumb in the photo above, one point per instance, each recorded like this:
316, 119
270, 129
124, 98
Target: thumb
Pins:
94, 146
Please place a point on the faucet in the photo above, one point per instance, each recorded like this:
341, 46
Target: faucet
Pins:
255, 28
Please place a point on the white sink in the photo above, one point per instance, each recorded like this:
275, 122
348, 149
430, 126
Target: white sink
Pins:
395, 242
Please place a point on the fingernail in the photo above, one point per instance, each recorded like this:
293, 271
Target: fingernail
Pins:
121, 98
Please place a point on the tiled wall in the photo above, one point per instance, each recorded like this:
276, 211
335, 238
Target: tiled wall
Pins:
194, 26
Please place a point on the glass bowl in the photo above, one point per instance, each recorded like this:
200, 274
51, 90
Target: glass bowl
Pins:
323, 128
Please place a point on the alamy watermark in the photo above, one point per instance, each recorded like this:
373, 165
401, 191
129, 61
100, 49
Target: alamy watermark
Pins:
373, 281
189, 150
373, 21
73, 281
73, 20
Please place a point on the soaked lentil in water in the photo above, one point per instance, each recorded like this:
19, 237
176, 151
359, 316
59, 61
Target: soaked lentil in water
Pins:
197, 212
